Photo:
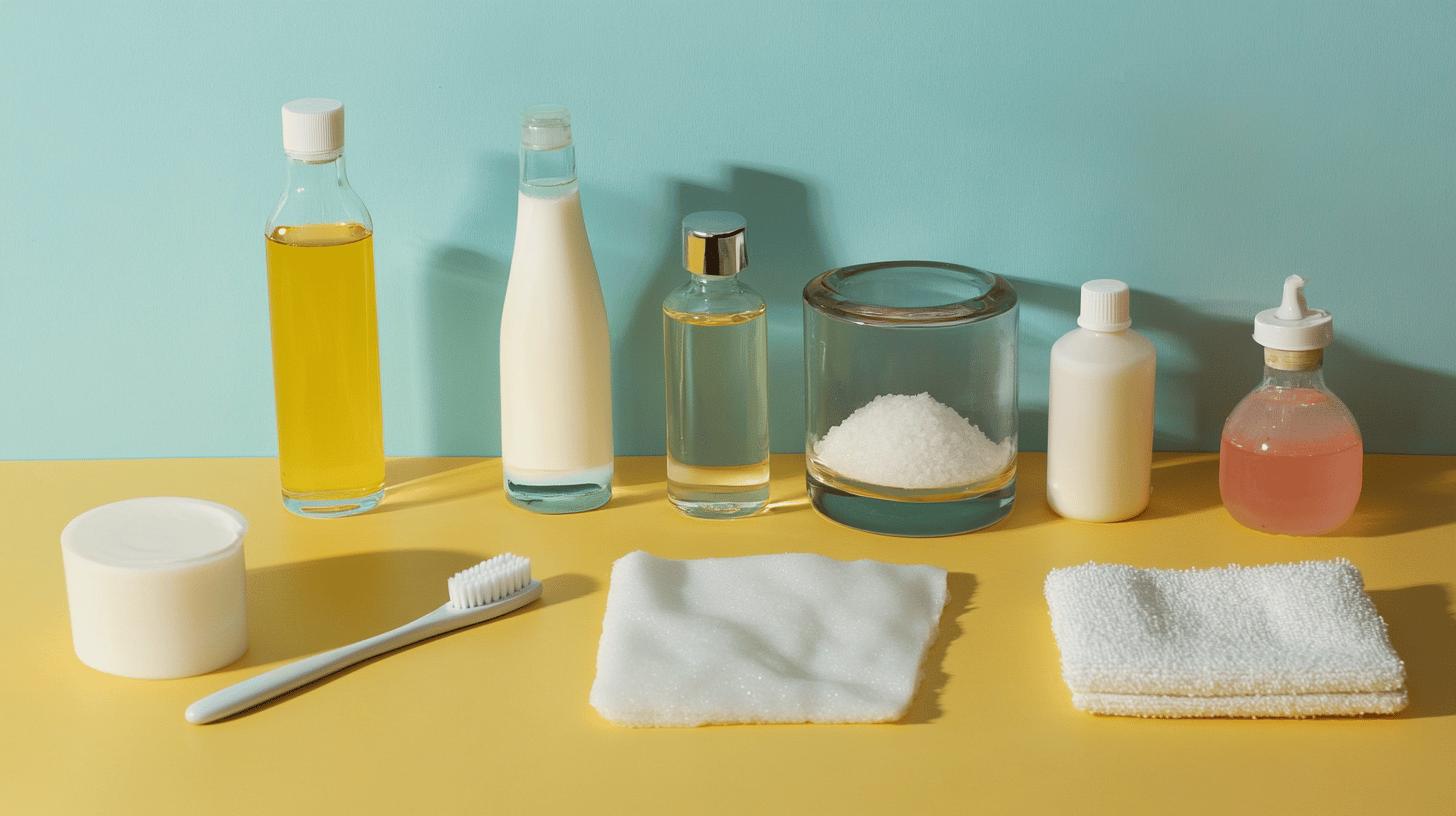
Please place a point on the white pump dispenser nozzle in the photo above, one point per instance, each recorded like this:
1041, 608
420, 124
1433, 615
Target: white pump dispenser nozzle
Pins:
1293, 306
1293, 326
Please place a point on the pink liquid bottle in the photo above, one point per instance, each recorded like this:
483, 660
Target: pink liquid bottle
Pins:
1290, 460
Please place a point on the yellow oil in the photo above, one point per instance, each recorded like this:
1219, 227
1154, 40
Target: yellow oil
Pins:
326, 361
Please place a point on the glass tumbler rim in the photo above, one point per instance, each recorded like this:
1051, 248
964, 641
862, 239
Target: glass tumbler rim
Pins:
826, 294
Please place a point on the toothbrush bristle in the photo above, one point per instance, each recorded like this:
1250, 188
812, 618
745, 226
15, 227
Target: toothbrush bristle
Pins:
489, 581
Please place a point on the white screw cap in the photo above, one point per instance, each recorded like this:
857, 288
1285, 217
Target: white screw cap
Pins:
1105, 305
313, 129
1293, 326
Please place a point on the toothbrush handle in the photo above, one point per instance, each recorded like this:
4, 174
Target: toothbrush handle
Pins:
283, 679
270, 684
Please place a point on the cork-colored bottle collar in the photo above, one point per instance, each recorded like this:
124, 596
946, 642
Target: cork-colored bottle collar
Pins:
1293, 360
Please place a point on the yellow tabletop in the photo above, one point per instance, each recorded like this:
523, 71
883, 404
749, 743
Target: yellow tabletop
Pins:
495, 719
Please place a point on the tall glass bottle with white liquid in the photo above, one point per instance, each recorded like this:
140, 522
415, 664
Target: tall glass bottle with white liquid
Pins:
555, 352
320, 249
1100, 411
715, 347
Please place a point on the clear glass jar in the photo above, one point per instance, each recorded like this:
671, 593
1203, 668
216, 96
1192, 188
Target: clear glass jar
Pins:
911, 397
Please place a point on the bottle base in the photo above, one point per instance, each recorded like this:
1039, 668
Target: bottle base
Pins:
1104, 517
1279, 526
331, 505
726, 504
921, 519
557, 499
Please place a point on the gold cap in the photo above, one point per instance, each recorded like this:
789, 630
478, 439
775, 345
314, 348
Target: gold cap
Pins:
715, 243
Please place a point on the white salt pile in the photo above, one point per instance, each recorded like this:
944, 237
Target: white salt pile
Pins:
896, 440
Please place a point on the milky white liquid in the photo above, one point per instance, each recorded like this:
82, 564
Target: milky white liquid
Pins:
555, 352
1100, 425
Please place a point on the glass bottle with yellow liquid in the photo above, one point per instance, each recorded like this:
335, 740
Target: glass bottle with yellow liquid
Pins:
716, 352
325, 336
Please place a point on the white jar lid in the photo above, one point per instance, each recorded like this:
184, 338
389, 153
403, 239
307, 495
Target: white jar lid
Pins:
156, 586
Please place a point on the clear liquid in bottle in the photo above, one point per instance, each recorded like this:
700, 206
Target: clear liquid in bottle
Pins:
716, 357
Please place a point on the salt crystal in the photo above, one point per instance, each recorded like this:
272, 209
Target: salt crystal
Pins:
911, 442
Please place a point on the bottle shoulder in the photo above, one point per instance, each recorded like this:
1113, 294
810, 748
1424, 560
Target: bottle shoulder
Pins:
716, 298
322, 204
1273, 416
1114, 349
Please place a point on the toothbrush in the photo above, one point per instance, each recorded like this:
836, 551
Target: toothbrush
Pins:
487, 590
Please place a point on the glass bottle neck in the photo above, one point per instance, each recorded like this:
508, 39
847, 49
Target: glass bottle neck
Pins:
714, 284
313, 176
1303, 378
548, 171
1294, 369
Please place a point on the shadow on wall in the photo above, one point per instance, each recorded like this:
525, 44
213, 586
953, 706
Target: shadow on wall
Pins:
464, 286
784, 250
1400, 407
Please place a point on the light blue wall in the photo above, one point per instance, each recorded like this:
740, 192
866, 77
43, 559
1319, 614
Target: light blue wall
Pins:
1200, 151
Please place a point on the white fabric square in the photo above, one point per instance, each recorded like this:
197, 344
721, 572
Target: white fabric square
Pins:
763, 639
1285, 640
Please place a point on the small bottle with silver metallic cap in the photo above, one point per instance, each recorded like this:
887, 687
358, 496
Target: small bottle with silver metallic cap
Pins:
715, 347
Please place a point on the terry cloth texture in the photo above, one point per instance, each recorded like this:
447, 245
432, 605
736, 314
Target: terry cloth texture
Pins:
763, 639
1286, 640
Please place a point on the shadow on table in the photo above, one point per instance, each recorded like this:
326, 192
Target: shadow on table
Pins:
1424, 635
299, 609
412, 482
925, 708
1403, 495
635, 471
1183, 483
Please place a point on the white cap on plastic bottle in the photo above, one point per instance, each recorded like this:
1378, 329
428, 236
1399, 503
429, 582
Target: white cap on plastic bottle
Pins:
1293, 326
313, 129
546, 127
1105, 306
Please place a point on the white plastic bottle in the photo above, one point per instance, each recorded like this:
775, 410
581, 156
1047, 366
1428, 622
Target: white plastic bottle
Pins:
555, 351
1100, 411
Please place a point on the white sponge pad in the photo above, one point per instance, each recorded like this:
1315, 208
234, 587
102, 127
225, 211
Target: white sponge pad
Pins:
763, 639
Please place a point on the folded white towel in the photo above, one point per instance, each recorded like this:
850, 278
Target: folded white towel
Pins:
759, 639
1327, 704
1293, 640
